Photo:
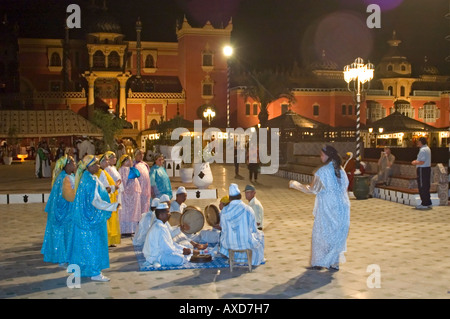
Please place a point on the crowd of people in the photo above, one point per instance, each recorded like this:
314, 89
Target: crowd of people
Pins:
96, 202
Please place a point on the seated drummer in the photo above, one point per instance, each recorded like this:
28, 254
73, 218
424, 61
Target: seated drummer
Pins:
178, 205
159, 248
176, 232
239, 230
146, 221
212, 236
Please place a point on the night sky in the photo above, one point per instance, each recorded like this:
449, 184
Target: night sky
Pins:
272, 33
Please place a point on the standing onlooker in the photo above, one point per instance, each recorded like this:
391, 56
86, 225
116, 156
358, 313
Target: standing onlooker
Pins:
423, 164
144, 180
255, 204
331, 211
43, 161
130, 212
60, 151
385, 163
253, 164
160, 181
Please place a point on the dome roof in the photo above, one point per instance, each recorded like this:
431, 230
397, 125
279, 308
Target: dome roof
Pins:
324, 64
428, 69
103, 22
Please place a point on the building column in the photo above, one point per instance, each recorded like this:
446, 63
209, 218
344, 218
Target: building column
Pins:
123, 78
90, 77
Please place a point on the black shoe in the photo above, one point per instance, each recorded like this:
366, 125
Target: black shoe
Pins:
333, 268
315, 268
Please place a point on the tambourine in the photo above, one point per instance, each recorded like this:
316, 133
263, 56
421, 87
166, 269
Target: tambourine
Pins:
174, 219
194, 218
212, 215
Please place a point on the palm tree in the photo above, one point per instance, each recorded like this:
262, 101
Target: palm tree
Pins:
266, 87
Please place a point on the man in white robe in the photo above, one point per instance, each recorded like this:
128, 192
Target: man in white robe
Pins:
178, 205
255, 204
159, 248
146, 221
239, 230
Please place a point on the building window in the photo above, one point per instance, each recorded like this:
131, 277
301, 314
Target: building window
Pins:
136, 125
316, 110
405, 109
149, 62
391, 90
153, 124
99, 60
255, 109
429, 113
207, 59
390, 68
114, 60
402, 91
350, 109
344, 109
207, 89
375, 111
247, 109
55, 60
403, 68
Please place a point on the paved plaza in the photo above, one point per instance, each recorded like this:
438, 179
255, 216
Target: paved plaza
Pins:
394, 251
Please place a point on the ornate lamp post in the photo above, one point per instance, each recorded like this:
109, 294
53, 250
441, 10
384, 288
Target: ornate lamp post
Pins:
357, 75
209, 114
228, 52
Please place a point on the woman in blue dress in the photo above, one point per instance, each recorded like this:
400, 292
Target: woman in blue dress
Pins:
331, 211
159, 180
91, 209
58, 228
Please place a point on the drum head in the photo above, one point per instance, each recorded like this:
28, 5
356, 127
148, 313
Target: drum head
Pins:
193, 217
175, 218
212, 215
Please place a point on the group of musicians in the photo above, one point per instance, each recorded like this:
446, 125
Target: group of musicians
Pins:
168, 242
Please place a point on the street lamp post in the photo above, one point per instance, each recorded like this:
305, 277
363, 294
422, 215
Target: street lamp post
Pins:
209, 114
228, 52
359, 74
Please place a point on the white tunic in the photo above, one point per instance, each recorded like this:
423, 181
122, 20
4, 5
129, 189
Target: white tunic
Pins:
159, 243
255, 204
239, 232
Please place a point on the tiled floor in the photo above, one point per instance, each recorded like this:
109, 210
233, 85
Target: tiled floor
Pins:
410, 248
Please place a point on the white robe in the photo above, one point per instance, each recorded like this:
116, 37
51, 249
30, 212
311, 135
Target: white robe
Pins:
239, 232
255, 204
159, 248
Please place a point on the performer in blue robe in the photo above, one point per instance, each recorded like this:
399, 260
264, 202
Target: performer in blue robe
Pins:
239, 230
91, 209
58, 228
331, 211
159, 180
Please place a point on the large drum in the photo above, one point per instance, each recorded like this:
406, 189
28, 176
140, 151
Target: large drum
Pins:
192, 217
212, 215
175, 218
